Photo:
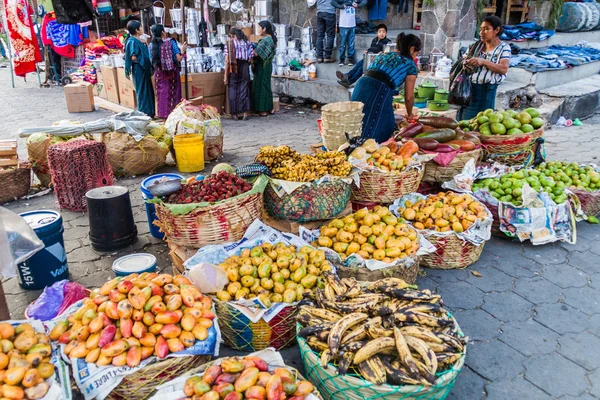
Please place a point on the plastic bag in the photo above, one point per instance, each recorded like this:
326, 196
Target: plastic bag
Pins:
460, 91
55, 299
208, 278
18, 242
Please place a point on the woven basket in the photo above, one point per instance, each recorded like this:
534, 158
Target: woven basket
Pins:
590, 201
435, 173
142, 384
353, 387
513, 149
311, 202
451, 252
222, 222
403, 271
240, 333
341, 119
385, 187
15, 183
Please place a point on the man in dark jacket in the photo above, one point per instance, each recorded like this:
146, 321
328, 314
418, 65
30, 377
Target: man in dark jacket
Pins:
325, 30
356, 72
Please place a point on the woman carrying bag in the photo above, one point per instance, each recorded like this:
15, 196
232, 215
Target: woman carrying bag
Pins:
238, 54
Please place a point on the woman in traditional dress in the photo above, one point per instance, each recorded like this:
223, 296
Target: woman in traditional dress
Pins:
166, 60
238, 54
262, 96
139, 66
375, 89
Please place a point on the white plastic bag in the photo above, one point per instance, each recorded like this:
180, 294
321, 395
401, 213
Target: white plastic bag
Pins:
208, 278
18, 242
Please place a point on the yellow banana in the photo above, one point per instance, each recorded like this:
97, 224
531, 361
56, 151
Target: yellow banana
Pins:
404, 354
425, 352
340, 327
374, 347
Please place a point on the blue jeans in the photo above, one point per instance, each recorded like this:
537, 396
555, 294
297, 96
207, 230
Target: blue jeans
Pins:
325, 26
356, 72
347, 39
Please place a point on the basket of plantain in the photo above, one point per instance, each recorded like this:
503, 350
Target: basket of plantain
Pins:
385, 340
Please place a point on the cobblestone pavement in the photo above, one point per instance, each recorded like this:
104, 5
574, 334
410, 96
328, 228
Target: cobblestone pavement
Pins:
533, 316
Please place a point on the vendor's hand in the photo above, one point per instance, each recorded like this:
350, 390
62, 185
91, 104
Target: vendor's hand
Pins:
184, 48
477, 62
225, 80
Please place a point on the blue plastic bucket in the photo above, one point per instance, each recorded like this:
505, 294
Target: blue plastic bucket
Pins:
150, 209
134, 264
48, 265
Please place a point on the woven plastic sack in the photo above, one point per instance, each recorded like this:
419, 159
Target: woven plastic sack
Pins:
129, 157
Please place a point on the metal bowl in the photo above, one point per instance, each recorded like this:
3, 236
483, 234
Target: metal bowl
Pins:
165, 188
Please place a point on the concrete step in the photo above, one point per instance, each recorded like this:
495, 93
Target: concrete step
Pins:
320, 90
580, 99
547, 79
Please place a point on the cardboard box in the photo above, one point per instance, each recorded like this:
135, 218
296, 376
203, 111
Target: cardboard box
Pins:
216, 101
99, 76
109, 75
80, 97
205, 84
100, 90
126, 90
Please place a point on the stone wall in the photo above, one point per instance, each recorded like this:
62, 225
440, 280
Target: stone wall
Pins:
539, 11
447, 22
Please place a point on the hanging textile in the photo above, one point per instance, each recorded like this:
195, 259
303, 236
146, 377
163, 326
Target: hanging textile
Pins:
73, 11
22, 38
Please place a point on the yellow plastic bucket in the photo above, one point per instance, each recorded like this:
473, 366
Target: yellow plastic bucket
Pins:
189, 152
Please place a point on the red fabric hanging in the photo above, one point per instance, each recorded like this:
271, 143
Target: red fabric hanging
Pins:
26, 51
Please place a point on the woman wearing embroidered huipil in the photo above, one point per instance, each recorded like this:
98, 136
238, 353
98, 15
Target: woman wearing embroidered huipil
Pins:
262, 96
166, 60
238, 53
139, 67
492, 62
376, 88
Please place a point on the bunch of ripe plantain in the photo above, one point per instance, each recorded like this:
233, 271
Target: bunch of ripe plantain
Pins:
384, 331
246, 378
289, 165
132, 318
375, 234
24, 362
444, 212
273, 273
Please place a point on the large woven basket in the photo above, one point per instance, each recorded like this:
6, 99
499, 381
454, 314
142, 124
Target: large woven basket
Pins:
222, 222
142, 384
311, 202
435, 173
15, 183
353, 387
590, 201
512, 149
451, 252
341, 119
240, 333
385, 187
408, 271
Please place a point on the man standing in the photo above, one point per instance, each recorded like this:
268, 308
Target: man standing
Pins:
325, 27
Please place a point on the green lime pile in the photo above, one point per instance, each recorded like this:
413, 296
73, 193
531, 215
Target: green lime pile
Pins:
552, 178
509, 122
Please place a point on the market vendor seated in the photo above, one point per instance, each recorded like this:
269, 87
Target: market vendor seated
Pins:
356, 72
376, 88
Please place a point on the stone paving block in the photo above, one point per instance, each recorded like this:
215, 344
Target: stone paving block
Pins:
538, 290
547, 254
424, 282
584, 299
595, 324
594, 377
468, 385
561, 318
585, 396
582, 245
83, 254
71, 245
495, 360
461, 295
501, 247
529, 337
565, 276
508, 306
585, 261
444, 276
492, 279
480, 325
518, 267
589, 232
517, 388
581, 348
557, 375
595, 281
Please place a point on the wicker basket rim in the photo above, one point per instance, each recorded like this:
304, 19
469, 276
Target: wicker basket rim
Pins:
343, 106
410, 170
228, 303
499, 139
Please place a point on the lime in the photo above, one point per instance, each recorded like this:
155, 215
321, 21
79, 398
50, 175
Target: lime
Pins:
488, 112
533, 112
514, 131
592, 220
496, 118
482, 120
526, 128
537, 122
498, 129
509, 123
524, 118
512, 113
